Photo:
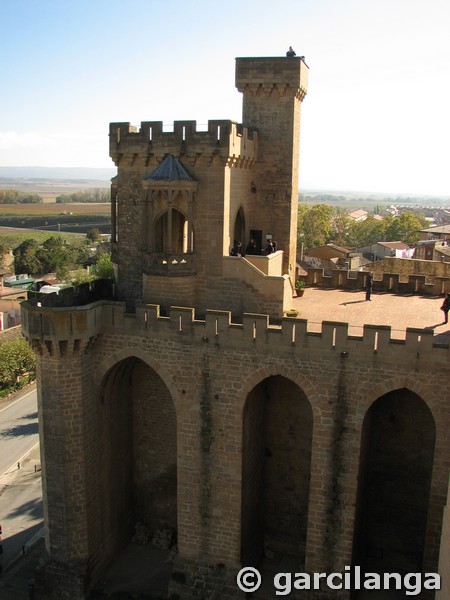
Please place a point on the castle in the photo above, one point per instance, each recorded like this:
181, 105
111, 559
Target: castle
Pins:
188, 402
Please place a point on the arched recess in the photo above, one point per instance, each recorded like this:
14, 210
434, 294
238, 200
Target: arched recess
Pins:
396, 463
239, 227
276, 466
172, 237
138, 453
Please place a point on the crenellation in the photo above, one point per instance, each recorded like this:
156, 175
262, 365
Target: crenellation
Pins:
223, 139
58, 327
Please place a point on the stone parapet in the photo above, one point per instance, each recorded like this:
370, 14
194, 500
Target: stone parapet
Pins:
70, 331
224, 138
388, 281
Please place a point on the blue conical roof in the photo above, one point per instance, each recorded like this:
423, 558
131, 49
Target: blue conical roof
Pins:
170, 169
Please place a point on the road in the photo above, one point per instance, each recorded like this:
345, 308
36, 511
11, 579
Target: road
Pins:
20, 489
18, 430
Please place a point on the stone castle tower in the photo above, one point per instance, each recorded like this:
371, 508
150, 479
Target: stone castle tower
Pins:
181, 199
180, 404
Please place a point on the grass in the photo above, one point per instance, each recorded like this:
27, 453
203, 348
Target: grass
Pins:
14, 237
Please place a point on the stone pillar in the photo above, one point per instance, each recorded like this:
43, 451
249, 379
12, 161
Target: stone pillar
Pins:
190, 247
169, 222
67, 446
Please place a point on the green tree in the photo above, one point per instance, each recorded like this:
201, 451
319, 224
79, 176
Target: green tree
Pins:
63, 273
16, 359
53, 254
341, 225
103, 268
314, 224
25, 259
405, 227
4, 249
81, 276
93, 235
365, 233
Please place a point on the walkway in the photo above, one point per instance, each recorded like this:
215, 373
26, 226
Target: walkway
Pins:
400, 312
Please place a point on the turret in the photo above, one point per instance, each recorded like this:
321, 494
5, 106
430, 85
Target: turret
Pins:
273, 90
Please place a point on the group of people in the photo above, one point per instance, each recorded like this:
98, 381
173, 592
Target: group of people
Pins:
252, 248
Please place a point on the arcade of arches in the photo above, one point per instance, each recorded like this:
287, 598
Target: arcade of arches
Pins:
138, 427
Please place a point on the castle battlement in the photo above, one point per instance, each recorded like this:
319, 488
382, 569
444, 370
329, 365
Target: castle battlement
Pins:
65, 331
225, 138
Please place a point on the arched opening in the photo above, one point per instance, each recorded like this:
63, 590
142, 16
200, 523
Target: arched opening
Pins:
137, 475
172, 237
276, 465
396, 463
239, 227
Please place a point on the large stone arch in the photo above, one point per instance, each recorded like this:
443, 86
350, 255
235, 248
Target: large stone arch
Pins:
107, 361
395, 473
389, 384
277, 431
137, 451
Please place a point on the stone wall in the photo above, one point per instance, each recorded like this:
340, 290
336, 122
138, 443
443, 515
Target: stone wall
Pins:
217, 374
444, 557
385, 279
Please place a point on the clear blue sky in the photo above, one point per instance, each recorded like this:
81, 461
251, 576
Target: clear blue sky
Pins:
376, 117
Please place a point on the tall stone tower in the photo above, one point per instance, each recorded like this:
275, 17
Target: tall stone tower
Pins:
273, 90
182, 198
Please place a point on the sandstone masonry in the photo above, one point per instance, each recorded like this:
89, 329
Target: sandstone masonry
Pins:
190, 403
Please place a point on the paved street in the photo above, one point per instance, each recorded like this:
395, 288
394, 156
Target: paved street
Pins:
18, 430
21, 514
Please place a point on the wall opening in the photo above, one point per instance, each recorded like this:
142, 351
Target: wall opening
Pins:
239, 227
137, 479
276, 465
171, 237
397, 451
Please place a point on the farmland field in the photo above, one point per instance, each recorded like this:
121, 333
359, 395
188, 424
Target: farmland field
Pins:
53, 209
13, 237
49, 189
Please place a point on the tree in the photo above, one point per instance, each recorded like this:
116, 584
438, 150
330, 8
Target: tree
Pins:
341, 225
63, 273
365, 233
25, 259
103, 268
16, 359
93, 235
53, 254
81, 276
405, 227
4, 249
314, 224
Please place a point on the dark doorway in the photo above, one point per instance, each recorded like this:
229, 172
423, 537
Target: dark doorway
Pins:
239, 227
137, 474
394, 484
277, 435
256, 234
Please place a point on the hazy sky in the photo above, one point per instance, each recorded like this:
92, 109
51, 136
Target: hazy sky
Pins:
376, 117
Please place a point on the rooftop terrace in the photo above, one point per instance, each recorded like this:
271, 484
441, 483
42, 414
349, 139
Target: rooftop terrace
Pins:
398, 311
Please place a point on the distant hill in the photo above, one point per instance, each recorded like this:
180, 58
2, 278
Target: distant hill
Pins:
66, 173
